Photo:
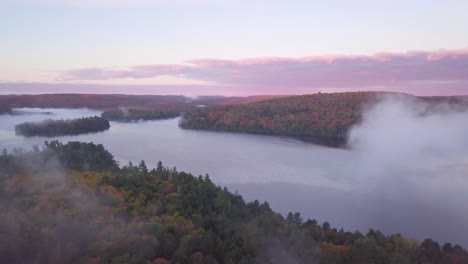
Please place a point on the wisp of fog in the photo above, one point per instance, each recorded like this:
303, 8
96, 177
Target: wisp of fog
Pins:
416, 154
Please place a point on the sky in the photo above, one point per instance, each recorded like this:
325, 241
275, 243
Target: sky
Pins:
201, 47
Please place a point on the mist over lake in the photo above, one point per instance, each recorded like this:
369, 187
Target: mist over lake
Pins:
328, 184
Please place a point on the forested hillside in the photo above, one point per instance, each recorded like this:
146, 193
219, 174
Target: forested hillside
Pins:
52, 128
95, 101
109, 101
316, 116
135, 114
72, 203
325, 118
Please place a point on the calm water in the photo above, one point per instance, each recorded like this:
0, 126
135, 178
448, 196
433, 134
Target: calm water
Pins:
320, 182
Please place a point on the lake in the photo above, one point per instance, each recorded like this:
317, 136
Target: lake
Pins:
329, 184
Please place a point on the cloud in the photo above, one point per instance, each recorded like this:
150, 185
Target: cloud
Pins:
439, 69
136, 72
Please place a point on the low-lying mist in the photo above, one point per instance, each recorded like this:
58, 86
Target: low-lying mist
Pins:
413, 149
417, 153
406, 172
48, 215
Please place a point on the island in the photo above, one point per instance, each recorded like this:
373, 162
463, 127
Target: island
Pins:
20, 112
52, 128
322, 118
124, 114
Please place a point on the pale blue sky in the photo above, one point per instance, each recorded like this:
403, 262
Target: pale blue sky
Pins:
41, 38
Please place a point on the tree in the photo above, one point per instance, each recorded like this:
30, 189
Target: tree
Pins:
310, 223
142, 167
290, 218
159, 167
447, 248
298, 218
431, 250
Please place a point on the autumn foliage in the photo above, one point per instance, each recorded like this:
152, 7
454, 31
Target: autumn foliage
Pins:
325, 116
318, 115
136, 114
72, 203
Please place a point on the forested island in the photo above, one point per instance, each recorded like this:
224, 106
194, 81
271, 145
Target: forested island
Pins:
52, 128
323, 118
27, 112
72, 203
135, 114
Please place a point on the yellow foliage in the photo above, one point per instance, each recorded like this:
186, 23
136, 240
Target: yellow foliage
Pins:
334, 249
112, 192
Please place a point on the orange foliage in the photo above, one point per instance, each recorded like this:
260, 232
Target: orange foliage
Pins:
161, 261
167, 188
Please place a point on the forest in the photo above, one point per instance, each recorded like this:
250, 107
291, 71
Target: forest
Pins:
110, 101
52, 128
73, 203
136, 114
310, 116
321, 118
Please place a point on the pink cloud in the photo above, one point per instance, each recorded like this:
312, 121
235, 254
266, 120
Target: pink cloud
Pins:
443, 54
442, 68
